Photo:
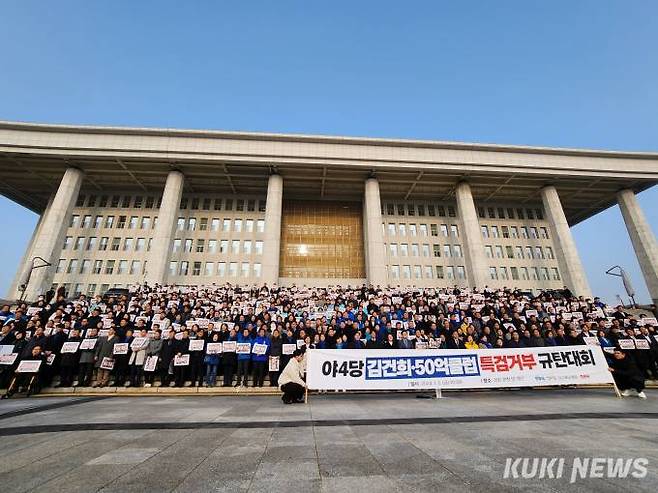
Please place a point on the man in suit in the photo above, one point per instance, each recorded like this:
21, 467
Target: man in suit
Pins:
104, 349
454, 342
405, 342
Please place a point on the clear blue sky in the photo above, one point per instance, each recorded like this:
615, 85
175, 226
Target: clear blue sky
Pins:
558, 73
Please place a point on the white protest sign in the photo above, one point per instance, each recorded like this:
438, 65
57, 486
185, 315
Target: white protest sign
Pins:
151, 363
229, 346
8, 359
626, 343
259, 349
642, 344
288, 348
591, 341
196, 344
139, 343
214, 348
120, 348
50, 359
244, 348
6, 348
28, 366
274, 363
88, 344
107, 364
70, 347
182, 360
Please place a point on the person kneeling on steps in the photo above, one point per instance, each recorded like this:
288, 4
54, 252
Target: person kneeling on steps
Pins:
291, 382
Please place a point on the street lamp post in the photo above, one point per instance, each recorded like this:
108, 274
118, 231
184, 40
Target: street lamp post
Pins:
23, 287
625, 279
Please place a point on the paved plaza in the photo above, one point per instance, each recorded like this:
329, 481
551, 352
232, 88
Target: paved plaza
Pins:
338, 442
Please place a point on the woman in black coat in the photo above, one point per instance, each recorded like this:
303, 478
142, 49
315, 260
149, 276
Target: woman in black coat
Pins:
166, 357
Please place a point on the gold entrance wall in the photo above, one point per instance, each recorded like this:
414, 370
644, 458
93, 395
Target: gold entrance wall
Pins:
322, 240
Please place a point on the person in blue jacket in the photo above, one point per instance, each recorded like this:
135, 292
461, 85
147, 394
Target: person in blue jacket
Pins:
260, 360
244, 359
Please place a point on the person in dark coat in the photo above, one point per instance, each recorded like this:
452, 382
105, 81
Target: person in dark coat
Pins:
167, 357
229, 360
276, 350
181, 348
69, 361
86, 361
627, 375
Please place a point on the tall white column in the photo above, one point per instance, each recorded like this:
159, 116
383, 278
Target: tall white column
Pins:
643, 239
373, 234
568, 259
26, 262
158, 260
476, 262
51, 232
272, 236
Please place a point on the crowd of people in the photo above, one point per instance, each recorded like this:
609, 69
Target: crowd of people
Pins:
232, 336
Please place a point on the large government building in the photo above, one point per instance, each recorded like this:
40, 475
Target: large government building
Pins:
120, 206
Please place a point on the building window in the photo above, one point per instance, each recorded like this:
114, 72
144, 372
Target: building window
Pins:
395, 271
249, 225
196, 269
233, 269
116, 242
199, 245
404, 250
461, 272
414, 250
188, 246
245, 269
402, 229
515, 273
439, 272
212, 246
226, 225
418, 274
426, 250
75, 221
260, 226
503, 273
499, 251
79, 243
98, 266
121, 223
246, 247
123, 267
450, 272
258, 248
391, 229
86, 221
237, 225
191, 224
412, 230
406, 272
180, 224
184, 268
493, 273
485, 231
221, 269
514, 232
257, 270
109, 267
209, 269
544, 232
556, 274
135, 266
235, 247
457, 251
549, 253
127, 244
488, 251
203, 224
223, 246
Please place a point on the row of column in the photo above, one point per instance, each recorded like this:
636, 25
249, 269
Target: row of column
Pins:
51, 229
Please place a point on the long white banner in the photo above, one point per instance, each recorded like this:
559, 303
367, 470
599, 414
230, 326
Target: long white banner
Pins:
365, 369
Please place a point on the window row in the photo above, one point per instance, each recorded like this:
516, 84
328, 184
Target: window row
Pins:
206, 204
220, 269
121, 222
539, 253
116, 201
524, 273
427, 272
423, 250
85, 266
401, 229
525, 232
151, 202
225, 225
509, 213
246, 247
431, 210
103, 243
